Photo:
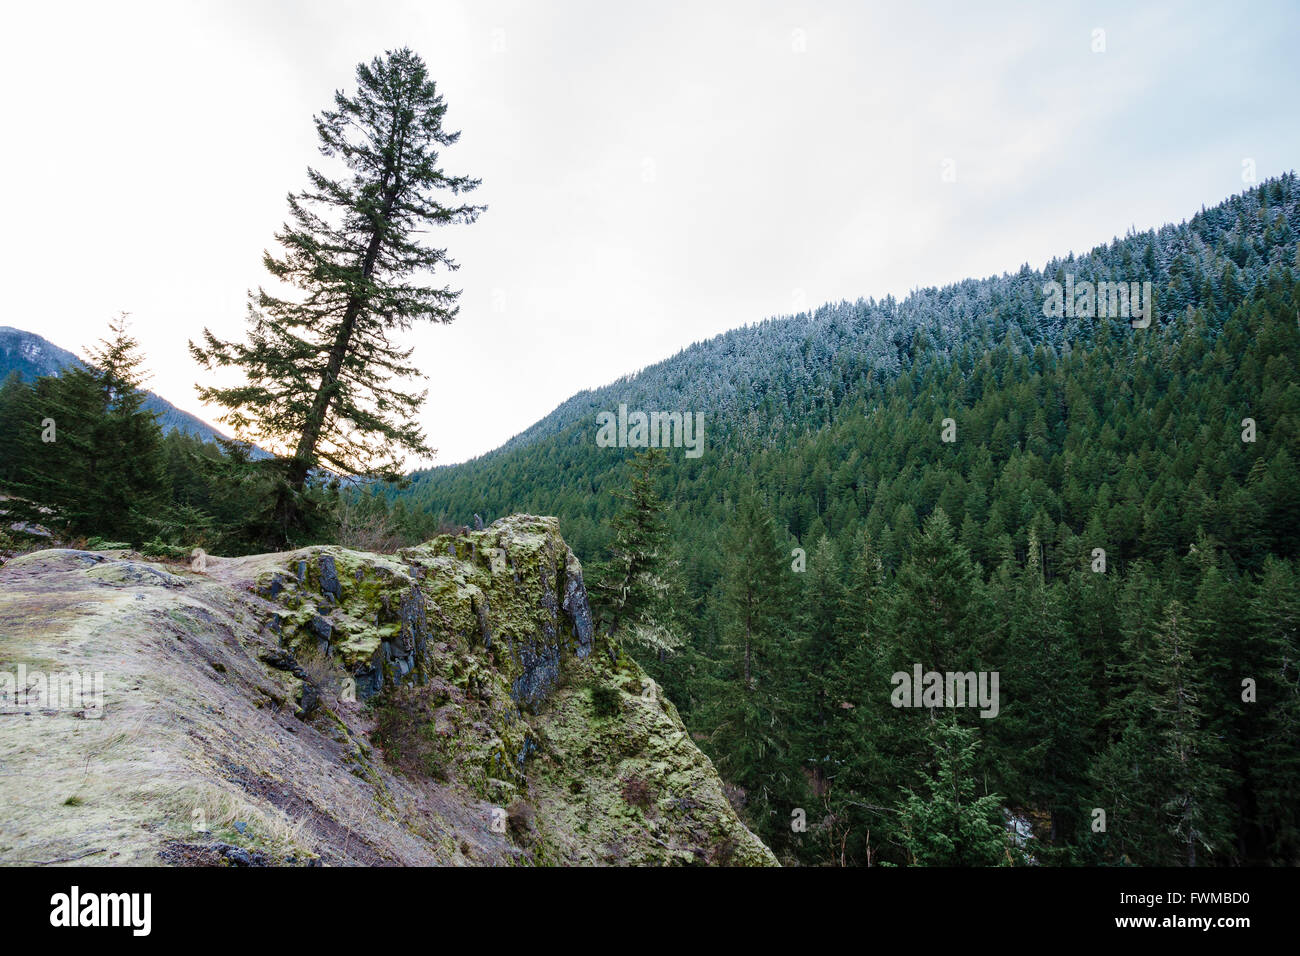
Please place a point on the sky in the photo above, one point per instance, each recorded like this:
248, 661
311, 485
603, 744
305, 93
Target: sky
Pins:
655, 174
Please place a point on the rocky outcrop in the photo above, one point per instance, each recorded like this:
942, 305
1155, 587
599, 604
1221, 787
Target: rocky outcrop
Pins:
514, 590
450, 704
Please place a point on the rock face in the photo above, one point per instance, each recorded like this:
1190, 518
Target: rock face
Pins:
450, 704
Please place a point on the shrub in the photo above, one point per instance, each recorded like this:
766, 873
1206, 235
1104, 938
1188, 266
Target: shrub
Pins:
161, 549
403, 731
324, 672
96, 543
365, 526
521, 819
736, 796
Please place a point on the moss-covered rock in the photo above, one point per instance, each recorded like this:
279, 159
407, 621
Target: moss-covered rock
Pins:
625, 784
253, 695
513, 590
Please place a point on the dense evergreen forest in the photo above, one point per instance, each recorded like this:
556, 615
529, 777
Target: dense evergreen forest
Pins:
1105, 516
1113, 530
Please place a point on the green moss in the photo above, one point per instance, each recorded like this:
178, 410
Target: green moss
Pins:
609, 770
638, 785
161, 549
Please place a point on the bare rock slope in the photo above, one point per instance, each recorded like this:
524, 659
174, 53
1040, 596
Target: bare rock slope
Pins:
451, 704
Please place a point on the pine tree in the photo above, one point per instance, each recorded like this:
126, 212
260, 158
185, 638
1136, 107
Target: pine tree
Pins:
55, 485
1192, 778
130, 471
92, 459
938, 617
951, 826
1160, 781
1273, 765
861, 775
637, 589
1045, 722
822, 652
749, 711
15, 397
322, 373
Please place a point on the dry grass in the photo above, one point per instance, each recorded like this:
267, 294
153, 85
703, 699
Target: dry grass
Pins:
180, 734
325, 673
363, 530
521, 819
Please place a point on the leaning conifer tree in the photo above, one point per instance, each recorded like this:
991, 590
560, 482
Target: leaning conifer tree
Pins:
322, 375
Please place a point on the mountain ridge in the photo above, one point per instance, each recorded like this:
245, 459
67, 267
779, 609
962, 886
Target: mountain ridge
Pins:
760, 378
927, 303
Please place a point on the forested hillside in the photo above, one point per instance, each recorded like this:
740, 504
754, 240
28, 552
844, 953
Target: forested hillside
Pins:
762, 385
1106, 516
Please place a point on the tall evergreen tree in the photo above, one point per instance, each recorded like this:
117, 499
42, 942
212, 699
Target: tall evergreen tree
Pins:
861, 776
322, 373
939, 616
749, 712
1048, 711
823, 654
1161, 780
636, 589
951, 826
1273, 767
1191, 753
92, 459
15, 397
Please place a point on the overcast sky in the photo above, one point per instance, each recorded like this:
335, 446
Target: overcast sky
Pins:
656, 173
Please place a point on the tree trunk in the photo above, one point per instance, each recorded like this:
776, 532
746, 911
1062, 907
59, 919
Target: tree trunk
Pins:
305, 453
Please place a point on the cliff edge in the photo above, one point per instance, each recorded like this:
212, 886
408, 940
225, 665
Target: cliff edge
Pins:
451, 704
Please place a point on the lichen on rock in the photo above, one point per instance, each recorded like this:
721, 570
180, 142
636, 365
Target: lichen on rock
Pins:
472, 661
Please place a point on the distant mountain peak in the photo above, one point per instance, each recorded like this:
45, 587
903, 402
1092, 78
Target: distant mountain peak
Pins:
33, 356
